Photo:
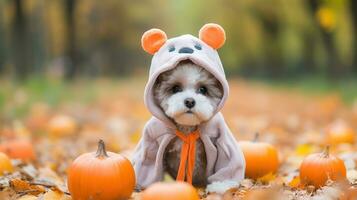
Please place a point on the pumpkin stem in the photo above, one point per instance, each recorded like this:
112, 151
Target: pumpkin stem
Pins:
256, 137
326, 151
101, 152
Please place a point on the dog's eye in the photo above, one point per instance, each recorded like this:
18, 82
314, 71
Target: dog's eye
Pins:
202, 90
171, 49
176, 89
198, 46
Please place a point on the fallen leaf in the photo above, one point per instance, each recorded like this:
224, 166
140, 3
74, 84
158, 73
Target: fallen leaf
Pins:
304, 149
28, 197
295, 182
267, 178
55, 195
24, 187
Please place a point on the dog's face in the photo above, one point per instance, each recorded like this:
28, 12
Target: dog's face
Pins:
188, 94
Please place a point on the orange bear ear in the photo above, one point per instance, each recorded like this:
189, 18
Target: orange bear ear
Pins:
213, 35
152, 40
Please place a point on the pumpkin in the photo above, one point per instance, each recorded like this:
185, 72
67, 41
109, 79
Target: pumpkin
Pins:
339, 132
5, 164
261, 158
172, 191
101, 175
18, 149
62, 125
349, 194
318, 168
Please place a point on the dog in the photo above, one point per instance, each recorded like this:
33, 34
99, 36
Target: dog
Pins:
188, 94
187, 136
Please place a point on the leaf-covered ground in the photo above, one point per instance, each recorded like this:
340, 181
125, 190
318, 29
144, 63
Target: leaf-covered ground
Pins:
293, 122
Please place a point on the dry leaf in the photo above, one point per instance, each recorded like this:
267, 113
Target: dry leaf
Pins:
267, 178
28, 197
55, 195
304, 149
24, 187
295, 182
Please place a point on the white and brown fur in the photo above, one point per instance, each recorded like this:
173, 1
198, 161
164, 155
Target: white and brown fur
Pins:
172, 90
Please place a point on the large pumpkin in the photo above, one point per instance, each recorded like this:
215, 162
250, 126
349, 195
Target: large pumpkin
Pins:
101, 175
170, 191
261, 158
18, 149
5, 164
316, 169
339, 132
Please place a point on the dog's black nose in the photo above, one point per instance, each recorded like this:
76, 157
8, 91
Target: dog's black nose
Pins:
186, 50
190, 102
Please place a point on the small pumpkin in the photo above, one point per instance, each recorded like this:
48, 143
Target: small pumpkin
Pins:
62, 125
101, 175
5, 164
172, 191
318, 168
261, 158
19, 149
339, 132
349, 194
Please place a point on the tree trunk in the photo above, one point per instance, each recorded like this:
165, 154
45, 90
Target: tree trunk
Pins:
71, 50
20, 55
2, 43
353, 7
334, 67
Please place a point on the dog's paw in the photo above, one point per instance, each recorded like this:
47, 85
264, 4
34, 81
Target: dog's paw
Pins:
138, 188
220, 187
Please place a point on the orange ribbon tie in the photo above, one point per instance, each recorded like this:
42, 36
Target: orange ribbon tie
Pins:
187, 154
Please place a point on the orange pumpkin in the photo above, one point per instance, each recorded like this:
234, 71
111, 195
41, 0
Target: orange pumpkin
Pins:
318, 168
172, 191
5, 164
349, 194
339, 132
62, 125
18, 149
101, 175
260, 158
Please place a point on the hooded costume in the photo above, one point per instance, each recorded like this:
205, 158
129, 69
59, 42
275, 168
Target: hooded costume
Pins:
225, 160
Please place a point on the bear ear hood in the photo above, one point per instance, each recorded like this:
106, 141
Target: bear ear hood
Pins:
167, 53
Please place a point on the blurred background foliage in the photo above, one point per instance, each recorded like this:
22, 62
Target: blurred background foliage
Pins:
58, 50
272, 39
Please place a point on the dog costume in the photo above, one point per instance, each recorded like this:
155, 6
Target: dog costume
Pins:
225, 160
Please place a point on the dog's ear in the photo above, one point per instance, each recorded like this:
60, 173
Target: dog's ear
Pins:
152, 40
213, 35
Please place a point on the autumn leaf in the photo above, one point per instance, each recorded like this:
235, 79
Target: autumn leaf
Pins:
28, 197
24, 187
295, 182
267, 178
55, 195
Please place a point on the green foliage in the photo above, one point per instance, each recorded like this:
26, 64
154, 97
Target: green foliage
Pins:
264, 37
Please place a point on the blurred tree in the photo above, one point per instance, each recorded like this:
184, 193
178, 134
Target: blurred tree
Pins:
269, 15
20, 55
324, 19
353, 6
264, 37
71, 49
2, 40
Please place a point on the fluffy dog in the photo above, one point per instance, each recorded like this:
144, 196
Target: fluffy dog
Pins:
189, 95
187, 136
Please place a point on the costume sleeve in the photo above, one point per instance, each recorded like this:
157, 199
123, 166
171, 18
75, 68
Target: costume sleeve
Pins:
147, 169
230, 163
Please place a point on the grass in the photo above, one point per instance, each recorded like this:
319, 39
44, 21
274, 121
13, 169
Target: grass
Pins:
16, 99
316, 85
